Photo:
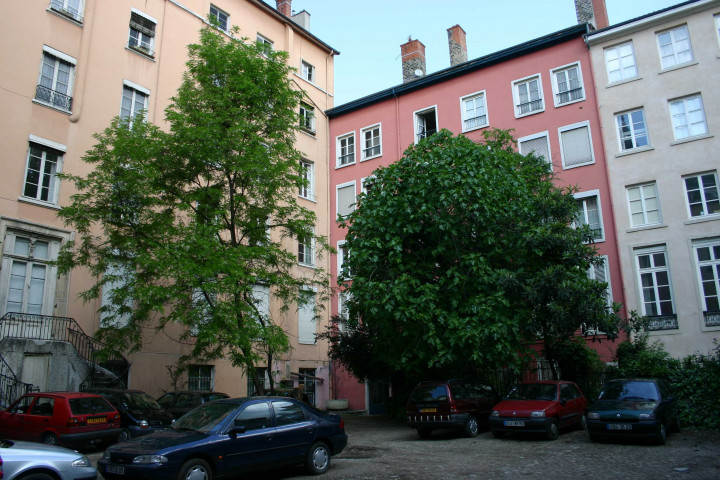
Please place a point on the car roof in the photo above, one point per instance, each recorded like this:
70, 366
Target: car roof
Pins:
546, 382
199, 392
111, 390
63, 394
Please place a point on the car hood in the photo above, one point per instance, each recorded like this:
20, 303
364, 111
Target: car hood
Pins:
32, 448
612, 406
157, 441
520, 407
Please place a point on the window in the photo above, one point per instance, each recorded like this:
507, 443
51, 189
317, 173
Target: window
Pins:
425, 123
688, 117
601, 273
307, 118
134, 101
346, 149
222, 18
372, 142
632, 132
589, 213
43, 164
69, 8
263, 376
568, 85
707, 255
644, 205
343, 309
288, 413
474, 111
366, 184
266, 43
307, 71
539, 144
675, 48
528, 96
345, 199
28, 277
576, 145
307, 382
142, 33
201, 377
620, 62
261, 301
702, 194
55, 84
116, 304
717, 26
306, 250
306, 319
256, 416
654, 281
342, 257
307, 174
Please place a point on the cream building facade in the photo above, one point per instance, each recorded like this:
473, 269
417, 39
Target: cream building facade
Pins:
656, 79
70, 67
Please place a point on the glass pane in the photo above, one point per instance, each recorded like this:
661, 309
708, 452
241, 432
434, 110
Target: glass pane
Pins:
22, 246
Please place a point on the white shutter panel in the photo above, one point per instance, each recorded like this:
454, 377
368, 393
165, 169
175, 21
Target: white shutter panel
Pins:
346, 200
576, 147
537, 145
306, 322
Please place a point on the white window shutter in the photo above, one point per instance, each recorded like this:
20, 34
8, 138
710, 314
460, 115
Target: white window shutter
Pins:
576, 147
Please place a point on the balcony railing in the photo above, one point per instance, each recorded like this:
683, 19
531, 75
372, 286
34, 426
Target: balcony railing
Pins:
53, 97
347, 159
73, 13
425, 133
712, 319
528, 107
662, 322
570, 95
371, 151
475, 122
10, 387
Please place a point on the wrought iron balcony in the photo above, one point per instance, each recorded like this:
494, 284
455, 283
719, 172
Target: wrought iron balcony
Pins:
73, 13
475, 122
570, 95
712, 319
529, 107
662, 322
53, 97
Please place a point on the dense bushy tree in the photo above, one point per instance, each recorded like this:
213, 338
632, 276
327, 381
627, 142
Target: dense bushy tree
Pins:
462, 254
174, 223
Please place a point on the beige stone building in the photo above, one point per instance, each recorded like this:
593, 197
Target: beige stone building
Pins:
656, 79
70, 66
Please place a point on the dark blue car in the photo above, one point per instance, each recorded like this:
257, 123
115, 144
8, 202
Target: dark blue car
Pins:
227, 437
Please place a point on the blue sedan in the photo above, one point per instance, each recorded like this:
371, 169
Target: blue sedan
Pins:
227, 437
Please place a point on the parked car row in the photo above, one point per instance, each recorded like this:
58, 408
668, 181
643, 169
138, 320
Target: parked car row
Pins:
625, 408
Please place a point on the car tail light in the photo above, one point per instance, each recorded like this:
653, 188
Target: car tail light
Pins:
73, 422
342, 424
453, 409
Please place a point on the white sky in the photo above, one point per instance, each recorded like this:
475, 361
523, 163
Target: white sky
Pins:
368, 33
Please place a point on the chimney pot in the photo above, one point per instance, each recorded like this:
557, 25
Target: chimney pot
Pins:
592, 12
284, 7
457, 45
413, 60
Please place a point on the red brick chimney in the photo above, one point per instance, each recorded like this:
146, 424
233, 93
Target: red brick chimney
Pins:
413, 60
284, 7
592, 12
457, 45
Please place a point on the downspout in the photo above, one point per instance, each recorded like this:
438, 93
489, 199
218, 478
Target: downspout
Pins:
397, 123
81, 80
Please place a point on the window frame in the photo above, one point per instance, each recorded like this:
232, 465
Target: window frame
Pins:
684, 100
622, 78
307, 71
217, 15
575, 126
673, 43
422, 114
702, 189
592, 274
535, 136
339, 149
463, 111
266, 42
631, 125
556, 86
581, 197
714, 263
199, 377
516, 96
352, 207
136, 89
139, 48
307, 171
58, 56
637, 253
54, 188
306, 249
308, 323
643, 200
307, 118
363, 131
61, 7
716, 17
342, 255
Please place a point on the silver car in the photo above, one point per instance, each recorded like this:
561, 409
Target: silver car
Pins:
20, 459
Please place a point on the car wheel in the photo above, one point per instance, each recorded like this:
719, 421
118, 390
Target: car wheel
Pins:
124, 435
49, 438
661, 435
583, 422
318, 459
471, 427
553, 432
498, 434
424, 433
38, 476
195, 469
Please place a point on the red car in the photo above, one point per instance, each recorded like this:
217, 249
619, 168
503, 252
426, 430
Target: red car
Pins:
540, 407
61, 418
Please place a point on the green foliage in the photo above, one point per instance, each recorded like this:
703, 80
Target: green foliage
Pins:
580, 364
174, 224
462, 254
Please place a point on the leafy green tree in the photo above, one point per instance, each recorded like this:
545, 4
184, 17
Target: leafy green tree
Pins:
176, 223
462, 255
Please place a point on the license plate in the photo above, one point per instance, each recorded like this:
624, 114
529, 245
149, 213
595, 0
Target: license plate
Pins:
619, 426
116, 469
97, 420
514, 423
428, 410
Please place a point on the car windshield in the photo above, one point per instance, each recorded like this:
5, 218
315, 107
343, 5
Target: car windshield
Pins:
205, 417
630, 391
430, 393
140, 401
533, 391
89, 405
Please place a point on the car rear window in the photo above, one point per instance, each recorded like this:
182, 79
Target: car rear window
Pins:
631, 391
430, 393
89, 405
214, 396
467, 391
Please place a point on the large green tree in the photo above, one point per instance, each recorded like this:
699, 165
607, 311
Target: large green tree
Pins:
180, 225
462, 255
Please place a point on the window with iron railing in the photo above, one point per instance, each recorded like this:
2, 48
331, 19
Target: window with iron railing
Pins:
307, 118
346, 150
372, 142
200, 377
69, 8
56, 80
474, 111
528, 96
568, 85
142, 34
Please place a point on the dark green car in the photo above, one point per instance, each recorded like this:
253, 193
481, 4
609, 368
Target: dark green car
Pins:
633, 408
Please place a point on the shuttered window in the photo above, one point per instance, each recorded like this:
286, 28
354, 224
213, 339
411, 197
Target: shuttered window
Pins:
576, 146
346, 199
306, 320
538, 146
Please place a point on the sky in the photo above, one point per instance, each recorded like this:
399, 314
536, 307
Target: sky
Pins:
368, 33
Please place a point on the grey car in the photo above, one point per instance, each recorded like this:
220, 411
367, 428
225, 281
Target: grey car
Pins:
43, 462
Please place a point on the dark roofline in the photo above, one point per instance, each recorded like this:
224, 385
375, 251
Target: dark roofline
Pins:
272, 11
531, 46
641, 17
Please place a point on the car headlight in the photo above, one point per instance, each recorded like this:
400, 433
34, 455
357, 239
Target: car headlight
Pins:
144, 424
494, 413
150, 459
82, 462
538, 413
593, 415
647, 416
106, 455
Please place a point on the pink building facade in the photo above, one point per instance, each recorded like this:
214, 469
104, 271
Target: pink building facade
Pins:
541, 89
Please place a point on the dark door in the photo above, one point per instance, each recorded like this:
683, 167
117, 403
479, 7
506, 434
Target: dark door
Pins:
572, 404
379, 393
13, 422
294, 432
253, 446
